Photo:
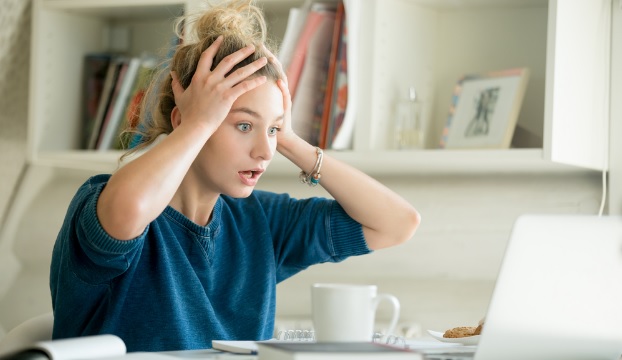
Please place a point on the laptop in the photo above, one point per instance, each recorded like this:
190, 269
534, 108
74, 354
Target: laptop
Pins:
558, 294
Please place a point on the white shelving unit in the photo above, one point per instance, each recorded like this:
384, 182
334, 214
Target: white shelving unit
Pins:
431, 44
427, 44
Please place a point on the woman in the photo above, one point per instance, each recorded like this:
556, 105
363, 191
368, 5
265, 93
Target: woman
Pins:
176, 248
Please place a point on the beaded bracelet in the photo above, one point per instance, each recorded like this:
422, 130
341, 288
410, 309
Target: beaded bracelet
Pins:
313, 178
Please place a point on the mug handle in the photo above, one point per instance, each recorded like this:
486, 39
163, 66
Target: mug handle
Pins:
396, 310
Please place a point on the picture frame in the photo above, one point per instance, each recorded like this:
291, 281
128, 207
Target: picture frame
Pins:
484, 110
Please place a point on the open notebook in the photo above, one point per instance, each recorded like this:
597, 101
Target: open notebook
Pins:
558, 294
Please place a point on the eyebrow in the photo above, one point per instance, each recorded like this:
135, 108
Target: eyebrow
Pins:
253, 113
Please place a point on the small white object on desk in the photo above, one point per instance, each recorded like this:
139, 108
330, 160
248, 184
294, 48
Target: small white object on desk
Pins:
333, 351
235, 346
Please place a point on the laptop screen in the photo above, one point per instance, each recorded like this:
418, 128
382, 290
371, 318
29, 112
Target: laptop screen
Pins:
558, 294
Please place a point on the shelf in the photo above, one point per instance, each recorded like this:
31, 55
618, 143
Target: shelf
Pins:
120, 9
375, 163
432, 162
54, 130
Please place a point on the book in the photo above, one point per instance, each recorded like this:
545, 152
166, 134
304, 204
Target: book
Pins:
299, 54
104, 101
295, 23
311, 85
86, 347
339, 94
123, 65
146, 71
332, 71
116, 111
334, 351
93, 79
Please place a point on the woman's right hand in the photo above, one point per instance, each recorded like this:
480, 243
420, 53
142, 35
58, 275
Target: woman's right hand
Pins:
210, 95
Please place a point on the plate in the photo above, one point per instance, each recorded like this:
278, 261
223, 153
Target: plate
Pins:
468, 340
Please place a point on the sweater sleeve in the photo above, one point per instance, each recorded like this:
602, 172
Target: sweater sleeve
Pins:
310, 231
85, 246
345, 234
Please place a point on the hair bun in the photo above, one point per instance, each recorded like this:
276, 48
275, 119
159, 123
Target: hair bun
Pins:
239, 19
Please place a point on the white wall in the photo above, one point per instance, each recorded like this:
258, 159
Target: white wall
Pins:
14, 57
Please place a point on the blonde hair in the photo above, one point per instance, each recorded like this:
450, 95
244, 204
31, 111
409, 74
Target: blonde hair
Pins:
240, 22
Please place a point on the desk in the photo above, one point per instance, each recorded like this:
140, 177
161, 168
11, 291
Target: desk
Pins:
206, 354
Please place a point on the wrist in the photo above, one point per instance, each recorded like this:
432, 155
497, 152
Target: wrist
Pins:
299, 152
312, 178
288, 143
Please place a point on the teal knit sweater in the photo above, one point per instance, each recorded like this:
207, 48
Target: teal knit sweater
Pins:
180, 285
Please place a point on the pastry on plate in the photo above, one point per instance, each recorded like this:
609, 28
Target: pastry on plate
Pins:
464, 331
460, 331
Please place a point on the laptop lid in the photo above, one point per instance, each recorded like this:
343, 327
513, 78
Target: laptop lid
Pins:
558, 294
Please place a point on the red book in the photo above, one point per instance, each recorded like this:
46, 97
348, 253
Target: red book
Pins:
298, 57
332, 70
309, 100
339, 100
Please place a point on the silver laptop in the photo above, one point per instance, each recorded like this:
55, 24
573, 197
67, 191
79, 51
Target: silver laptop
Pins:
558, 294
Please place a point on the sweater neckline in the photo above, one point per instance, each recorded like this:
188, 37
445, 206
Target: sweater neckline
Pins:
183, 220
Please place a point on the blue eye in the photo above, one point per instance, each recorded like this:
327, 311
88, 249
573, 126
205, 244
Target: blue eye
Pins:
244, 127
273, 130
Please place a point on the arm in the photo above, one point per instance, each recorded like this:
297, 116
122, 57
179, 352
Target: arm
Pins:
387, 218
141, 190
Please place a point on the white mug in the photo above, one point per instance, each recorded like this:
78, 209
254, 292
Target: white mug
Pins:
346, 313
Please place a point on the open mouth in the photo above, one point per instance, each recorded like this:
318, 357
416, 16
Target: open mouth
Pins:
251, 175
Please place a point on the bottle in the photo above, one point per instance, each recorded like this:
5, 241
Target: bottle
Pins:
409, 132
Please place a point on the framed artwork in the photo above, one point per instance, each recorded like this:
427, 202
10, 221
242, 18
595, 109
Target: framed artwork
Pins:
484, 110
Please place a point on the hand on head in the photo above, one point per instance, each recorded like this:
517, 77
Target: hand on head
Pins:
210, 95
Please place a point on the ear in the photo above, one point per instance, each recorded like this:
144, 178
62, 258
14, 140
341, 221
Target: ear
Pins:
175, 117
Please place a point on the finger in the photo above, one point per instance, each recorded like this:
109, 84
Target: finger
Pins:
244, 72
275, 61
207, 58
178, 90
229, 61
287, 99
272, 58
244, 87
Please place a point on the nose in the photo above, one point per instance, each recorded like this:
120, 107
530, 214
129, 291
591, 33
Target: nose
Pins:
264, 147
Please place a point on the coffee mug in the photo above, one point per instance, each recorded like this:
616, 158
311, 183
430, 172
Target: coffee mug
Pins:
346, 313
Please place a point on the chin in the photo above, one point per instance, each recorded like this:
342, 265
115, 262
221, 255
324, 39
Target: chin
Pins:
240, 194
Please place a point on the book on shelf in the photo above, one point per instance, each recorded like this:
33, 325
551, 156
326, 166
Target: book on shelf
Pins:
123, 65
336, 111
112, 74
326, 112
86, 347
308, 103
294, 69
295, 23
116, 111
94, 74
318, 74
334, 351
131, 116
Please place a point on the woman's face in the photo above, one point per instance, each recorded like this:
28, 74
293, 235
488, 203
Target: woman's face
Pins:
236, 155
